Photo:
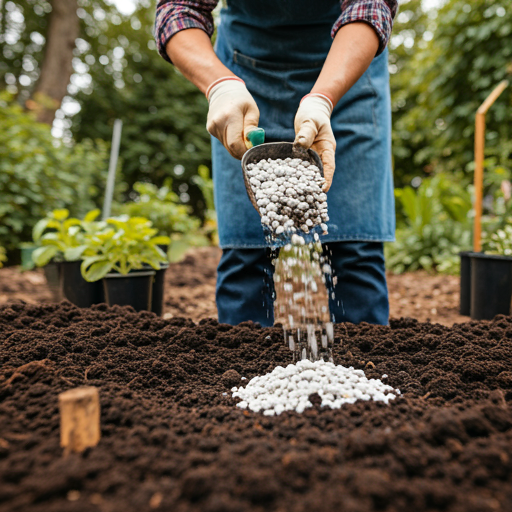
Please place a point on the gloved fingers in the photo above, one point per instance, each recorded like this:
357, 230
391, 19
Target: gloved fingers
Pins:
215, 126
326, 149
234, 140
306, 134
251, 119
232, 114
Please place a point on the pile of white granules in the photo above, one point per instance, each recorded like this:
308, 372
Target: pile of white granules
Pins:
289, 195
288, 389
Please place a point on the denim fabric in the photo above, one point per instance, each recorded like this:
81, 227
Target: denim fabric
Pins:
280, 55
245, 287
360, 292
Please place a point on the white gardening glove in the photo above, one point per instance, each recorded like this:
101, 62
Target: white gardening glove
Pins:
313, 130
233, 113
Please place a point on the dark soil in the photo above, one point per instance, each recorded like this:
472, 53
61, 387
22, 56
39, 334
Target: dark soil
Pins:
172, 441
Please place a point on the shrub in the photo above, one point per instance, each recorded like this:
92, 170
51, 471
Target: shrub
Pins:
173, 219
39, 173
499, 241
162, 207
435, 229
205, 183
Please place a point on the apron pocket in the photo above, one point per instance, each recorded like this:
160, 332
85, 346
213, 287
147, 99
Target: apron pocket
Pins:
278, 82
250, 62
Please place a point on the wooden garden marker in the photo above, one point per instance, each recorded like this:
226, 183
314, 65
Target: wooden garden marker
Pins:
479, 161
79, 419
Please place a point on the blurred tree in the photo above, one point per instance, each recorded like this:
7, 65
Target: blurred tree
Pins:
468, 55
164, 115
38, 174
117, 74
29, 28
57, 65
23, 31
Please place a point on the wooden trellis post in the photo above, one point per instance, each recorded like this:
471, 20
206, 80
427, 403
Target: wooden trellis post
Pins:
479, 161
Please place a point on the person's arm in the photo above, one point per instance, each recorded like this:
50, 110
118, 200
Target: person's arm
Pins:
191, 51
352, 51
183, 30
360, 34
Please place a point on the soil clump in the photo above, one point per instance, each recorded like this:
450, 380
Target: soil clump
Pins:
173, 439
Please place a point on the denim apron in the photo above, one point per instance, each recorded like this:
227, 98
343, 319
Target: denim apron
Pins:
278, 49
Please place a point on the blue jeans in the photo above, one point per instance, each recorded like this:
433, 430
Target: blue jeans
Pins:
245, 286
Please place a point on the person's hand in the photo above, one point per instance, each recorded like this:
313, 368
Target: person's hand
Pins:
233, 113
313, 130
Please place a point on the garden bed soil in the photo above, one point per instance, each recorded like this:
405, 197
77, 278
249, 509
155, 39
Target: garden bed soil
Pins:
173, 439
190, 290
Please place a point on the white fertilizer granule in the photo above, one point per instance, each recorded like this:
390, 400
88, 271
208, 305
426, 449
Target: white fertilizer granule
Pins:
288, 389
289, 195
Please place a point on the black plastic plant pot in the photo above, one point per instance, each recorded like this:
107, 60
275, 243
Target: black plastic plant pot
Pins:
157, 301
465, 283
133, 289
52, 273
76, 289
491, 285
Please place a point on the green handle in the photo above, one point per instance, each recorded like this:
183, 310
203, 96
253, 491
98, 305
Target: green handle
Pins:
255, 137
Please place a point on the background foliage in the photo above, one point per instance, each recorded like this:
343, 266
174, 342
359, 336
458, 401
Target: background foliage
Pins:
38, 175
456, 57
164, 115
118, 74
435, 226
443, 63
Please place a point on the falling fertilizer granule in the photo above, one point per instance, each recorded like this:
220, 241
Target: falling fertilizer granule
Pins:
290, 200
302, 302
288, 389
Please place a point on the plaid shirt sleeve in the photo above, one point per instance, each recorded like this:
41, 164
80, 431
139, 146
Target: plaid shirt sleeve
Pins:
377, 13
175, 15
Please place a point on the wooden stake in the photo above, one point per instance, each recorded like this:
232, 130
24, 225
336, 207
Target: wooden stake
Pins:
79, 419
479, 179
479, 161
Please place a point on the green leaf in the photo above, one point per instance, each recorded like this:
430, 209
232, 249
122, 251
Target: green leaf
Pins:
39, 229
43, 255
98, 271
60, 214
74, 253
92, 215
161, 240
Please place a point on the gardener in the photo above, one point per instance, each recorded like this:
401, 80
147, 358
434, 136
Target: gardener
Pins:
276, 65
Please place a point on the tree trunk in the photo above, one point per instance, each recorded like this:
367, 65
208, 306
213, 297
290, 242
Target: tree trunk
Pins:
57, 65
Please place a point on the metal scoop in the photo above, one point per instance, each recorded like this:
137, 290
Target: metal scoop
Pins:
275, 150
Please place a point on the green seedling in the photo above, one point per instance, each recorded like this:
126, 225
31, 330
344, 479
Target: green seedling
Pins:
126, 244
62, 238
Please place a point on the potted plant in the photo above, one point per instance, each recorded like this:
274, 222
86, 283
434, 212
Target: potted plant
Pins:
126, 256
491, 275
172, 219
61, 249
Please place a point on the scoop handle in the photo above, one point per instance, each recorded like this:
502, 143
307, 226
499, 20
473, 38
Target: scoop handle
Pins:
255, 138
